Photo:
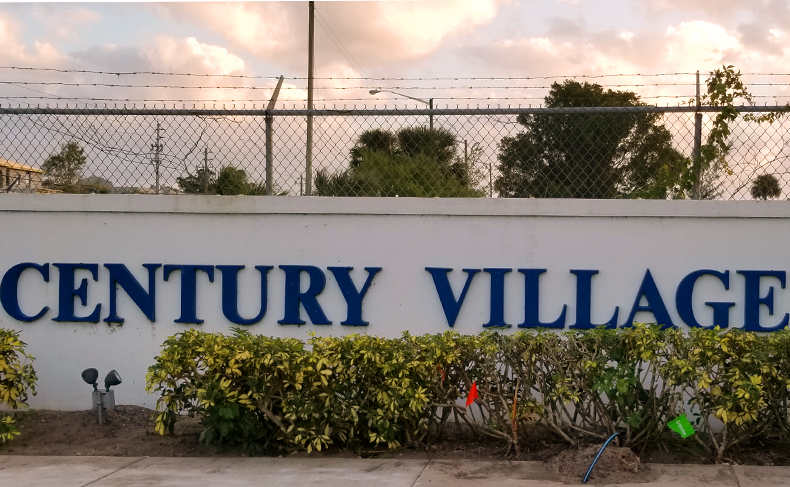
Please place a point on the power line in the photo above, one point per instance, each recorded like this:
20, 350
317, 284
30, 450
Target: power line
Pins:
336, 40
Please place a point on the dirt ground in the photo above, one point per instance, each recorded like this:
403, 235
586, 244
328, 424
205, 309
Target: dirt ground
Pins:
129, 431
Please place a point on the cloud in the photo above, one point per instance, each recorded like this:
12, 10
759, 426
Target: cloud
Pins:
64, 22
176, 55
14, 51
544, 56
701, 45
191, 56
374, 33
757, 36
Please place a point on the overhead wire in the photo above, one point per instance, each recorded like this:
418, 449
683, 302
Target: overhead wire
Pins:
336, 40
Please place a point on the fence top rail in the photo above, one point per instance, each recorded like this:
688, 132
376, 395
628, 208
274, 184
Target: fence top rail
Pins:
199, 112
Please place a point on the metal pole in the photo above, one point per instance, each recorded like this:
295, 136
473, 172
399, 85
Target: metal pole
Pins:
269, 157
308, 180
696, 158
269, 141
205, 170
490, 183
430, 106
156, 157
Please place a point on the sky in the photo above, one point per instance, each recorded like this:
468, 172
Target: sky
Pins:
436, 45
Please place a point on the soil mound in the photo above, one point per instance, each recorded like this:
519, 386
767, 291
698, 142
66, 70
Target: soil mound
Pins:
616, 466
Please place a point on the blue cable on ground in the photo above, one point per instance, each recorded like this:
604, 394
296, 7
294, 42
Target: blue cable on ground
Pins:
589, 471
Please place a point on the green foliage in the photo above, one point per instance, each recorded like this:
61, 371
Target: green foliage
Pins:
270, 393
361, 391
17, 379
414, 161
64, 169
596, 155
382, 174
725, 376
229, 181
766, 186
724, 89
202, 182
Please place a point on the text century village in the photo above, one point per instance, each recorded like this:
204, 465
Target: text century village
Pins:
303, 285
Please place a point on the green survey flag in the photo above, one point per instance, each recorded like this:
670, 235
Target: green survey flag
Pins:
681, 426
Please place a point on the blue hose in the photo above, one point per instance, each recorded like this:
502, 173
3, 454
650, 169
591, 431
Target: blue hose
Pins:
589, 471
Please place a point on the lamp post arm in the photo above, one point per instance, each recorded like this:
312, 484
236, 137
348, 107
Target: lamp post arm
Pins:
406, 96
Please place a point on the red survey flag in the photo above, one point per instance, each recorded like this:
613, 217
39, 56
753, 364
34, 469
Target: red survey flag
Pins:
472, 394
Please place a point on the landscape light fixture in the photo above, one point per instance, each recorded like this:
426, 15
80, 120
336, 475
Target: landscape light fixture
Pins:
90, 376
429, 102
102, 400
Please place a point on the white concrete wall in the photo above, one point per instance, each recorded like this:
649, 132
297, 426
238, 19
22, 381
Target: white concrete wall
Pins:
620, 239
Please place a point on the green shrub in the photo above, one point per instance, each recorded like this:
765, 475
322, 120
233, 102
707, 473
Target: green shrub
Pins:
360, 391
17, 378
729, 376
580, 385
272, 393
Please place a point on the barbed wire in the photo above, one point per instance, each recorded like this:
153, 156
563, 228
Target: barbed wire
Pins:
371, 78
324, 100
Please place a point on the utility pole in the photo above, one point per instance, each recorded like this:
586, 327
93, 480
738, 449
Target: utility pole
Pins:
269, 119
157, 148
696, 159
308, 190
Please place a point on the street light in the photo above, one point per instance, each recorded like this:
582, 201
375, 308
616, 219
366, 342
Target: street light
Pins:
429, 102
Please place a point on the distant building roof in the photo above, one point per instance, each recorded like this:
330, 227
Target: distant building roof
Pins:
17, 166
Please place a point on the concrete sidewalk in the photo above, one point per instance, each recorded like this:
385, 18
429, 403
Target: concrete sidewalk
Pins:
21, 471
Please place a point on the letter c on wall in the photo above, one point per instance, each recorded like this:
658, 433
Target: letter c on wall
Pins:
9, 291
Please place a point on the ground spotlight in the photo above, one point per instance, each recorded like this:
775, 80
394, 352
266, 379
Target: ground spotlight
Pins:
113, 378
102, 400
90, 376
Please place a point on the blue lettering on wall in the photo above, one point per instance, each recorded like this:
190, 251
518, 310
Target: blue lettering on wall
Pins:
189, 289
684, 294
752, 300
497, 300
230, 293
71, 285
295, 299
584, 302
353, 296
9, 291
532, 302
67, 293
146, 301
450, 305
655, 303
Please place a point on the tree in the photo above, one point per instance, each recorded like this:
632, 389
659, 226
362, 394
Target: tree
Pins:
202, 182
589, 155
766, 186
414, 161
229, 181
64, 169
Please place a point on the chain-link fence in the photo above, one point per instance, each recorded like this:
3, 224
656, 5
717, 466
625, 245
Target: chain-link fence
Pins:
647, 152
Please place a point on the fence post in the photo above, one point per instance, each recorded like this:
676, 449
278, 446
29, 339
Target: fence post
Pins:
269, 156
269, 119
696, 159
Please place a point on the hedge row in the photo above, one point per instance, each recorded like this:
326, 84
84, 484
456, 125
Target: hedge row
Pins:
17, 380
359, 391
